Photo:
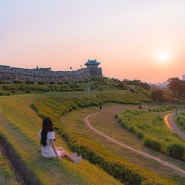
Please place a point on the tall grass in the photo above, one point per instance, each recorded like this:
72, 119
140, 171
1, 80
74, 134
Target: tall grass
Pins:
181, 120
9, 89
150, 128
6, 174
163, 108
23, 125
60, 104
20, 130
125, 172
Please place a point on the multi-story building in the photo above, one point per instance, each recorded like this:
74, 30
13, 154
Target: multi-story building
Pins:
9, 74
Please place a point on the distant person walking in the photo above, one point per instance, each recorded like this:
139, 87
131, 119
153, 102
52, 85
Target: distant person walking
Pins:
100, 106
48, 148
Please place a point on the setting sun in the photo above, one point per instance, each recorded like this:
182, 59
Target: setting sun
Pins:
163, 56
124, 36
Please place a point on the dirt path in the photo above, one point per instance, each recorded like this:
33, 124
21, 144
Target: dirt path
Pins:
127, 146
168, 119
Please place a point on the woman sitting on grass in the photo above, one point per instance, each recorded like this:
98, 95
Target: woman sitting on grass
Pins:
47, 139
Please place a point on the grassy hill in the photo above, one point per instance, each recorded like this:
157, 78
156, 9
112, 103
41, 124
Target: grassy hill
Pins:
21, 117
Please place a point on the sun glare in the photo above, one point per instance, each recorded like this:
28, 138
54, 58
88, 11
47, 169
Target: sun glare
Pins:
162, 58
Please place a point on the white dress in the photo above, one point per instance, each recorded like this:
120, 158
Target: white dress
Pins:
47, 151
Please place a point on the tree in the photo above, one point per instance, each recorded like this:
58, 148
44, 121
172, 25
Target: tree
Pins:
177, 87
137, 83
157, 95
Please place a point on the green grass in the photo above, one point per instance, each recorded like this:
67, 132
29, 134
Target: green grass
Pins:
163, 108
21, 130
181, 121
11, 89
43, 105
103, 122
6, 174
106, 123
20, 125
56, 104
150, 128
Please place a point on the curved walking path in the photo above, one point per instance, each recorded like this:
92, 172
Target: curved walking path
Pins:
168, 120
127, 146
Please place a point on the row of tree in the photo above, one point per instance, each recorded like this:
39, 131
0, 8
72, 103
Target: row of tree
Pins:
177, 87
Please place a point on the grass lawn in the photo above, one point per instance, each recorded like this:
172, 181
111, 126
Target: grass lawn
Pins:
7, 176
106, 123
20, 125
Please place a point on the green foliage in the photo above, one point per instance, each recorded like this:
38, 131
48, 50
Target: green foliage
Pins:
111, 164
4, 93
181, 120
137, 83
96, 83
26, 128
29, 87
126, 172
41, 82
20, 132
163, 108
2, 82
29, 82
176, 151
60, 104
155, 145
150, 128
51, 83
6, 174
17, 82
132, 90
104, 83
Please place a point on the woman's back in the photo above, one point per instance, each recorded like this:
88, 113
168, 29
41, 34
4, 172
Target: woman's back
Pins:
47, 150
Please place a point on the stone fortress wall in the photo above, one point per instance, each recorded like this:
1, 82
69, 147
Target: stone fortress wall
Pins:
9, 74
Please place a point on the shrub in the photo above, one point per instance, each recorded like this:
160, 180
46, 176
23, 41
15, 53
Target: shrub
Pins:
13, 91
152, 144
51, 83
176, 151
163, 108
29, 82
132, 90
125, 173
140, 135
2, 82
1, 93
27, 91
41, 82
181, 120
17, 82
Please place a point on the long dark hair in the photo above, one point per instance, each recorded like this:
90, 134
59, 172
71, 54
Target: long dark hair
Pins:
47, 126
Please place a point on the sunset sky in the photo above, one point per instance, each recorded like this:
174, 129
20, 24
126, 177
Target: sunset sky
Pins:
132, 39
